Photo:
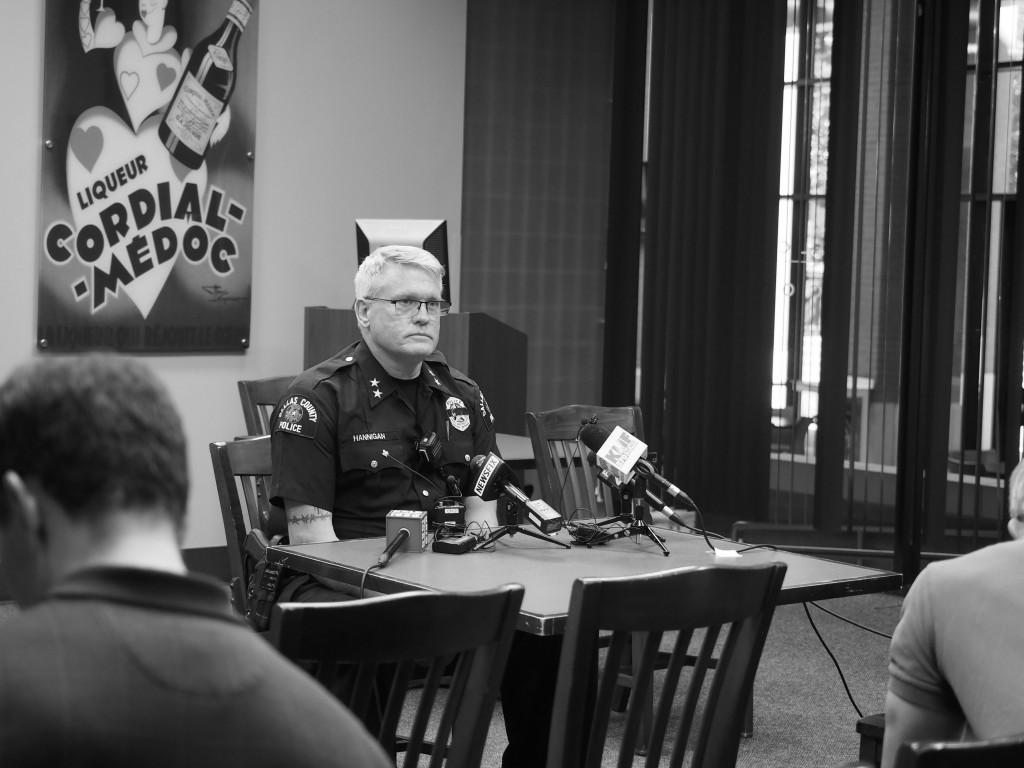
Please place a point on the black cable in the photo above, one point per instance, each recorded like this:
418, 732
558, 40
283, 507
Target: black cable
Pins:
568, 467
835, 661
851, 621
362, 581
759, 546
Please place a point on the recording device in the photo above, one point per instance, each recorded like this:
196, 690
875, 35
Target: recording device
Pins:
455, 545
448, 512
622, 455
406, 531
491, 477
429, 447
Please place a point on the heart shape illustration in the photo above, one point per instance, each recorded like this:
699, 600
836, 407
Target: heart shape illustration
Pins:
165, 76
154, 77
107, 29
129, 83
168, 37
132, 163
86, 145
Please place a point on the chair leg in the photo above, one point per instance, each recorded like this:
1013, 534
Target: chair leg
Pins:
748, 717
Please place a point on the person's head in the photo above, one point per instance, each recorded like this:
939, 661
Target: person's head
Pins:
91, 444
401, 335
1016, 491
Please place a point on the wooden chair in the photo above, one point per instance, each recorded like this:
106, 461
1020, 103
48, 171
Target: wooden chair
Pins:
725, 610
259, 396
568, 482
1005, 752
468, 634
250, 522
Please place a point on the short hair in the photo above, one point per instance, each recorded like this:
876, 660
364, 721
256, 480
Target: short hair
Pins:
367, 279
98, 432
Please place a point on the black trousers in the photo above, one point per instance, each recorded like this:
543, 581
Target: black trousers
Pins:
528, 697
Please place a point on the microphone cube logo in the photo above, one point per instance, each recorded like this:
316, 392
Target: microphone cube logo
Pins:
620, 453
485, 474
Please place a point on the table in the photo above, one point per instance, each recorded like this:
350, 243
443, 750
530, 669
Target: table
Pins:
548, 571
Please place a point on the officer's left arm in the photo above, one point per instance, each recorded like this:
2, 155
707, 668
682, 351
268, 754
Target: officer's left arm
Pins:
484, 436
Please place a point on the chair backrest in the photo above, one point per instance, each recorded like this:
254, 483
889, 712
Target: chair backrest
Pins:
1003, 752
568, 482
722, 609
466, 633
240, 468
259, 396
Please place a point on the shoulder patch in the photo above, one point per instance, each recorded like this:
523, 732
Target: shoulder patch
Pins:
297, 416
485, 408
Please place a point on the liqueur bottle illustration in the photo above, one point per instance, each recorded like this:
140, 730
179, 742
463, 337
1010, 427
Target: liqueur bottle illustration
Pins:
204, 89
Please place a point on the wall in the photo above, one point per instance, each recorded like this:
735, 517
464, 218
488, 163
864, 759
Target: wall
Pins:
360, 114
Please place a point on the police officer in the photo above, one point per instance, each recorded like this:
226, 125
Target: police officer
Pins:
385, 423
346, 442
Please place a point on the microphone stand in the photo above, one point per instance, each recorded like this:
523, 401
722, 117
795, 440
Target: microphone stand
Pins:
511, 529
634, 523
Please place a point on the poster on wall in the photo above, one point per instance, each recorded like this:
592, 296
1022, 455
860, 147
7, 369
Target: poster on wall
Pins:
148, 154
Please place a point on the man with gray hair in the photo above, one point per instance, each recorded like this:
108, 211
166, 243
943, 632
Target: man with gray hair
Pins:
346, 439
347, 434
954, 661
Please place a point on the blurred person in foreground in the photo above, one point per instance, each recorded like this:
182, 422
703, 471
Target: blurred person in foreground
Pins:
118, 656
955, 662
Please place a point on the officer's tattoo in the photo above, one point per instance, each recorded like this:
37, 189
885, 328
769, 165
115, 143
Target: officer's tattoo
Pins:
308, 518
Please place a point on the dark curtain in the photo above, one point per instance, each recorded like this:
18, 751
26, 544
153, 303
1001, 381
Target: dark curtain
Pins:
708, 283
625, 202
535, 183
934, 213
841, 239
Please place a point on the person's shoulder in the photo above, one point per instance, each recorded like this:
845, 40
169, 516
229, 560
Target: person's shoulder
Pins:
28, 635
439, 364
967, 575
325, 369
993, 557
323, 725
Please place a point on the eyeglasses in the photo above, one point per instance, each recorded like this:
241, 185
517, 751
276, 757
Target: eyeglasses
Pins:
406, 307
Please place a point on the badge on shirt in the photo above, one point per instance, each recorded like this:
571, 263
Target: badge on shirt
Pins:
297, 416
458, 413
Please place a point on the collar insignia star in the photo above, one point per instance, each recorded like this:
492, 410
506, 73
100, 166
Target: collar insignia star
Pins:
374, 382
376, 393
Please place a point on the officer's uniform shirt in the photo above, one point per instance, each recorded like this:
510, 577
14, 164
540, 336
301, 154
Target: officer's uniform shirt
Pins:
344, 438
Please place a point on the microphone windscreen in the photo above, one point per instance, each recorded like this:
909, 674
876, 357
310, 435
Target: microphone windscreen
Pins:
594, 436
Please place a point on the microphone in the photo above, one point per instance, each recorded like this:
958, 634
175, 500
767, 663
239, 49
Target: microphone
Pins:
387, 455
453, 486
623, 455
406, 530
400, 538
491, 477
